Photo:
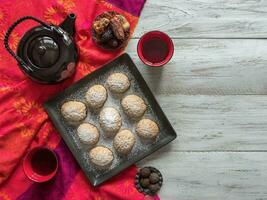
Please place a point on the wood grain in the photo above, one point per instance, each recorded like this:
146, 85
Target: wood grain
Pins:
210, 67
205, 18
217, 123
210, 176
214, 93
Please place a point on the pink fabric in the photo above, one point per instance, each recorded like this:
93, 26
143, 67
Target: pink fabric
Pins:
132, 6
24, 123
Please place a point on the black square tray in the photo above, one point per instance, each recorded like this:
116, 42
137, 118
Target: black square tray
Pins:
167, 133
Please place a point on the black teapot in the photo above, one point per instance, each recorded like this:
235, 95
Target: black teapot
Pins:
46, 53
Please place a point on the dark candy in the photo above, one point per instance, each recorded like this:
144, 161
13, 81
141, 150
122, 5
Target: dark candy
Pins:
144, 182
145, 172
154, 178
154, 188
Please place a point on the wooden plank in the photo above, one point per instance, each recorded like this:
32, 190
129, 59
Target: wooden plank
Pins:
209, 67
217, 123
209, 176
220, 152
205, 18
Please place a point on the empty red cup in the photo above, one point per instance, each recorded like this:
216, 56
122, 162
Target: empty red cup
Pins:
155, 48
40, 164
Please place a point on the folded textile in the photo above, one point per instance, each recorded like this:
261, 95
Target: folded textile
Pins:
24, 123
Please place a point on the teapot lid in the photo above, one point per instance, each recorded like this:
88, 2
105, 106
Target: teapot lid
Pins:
43, 51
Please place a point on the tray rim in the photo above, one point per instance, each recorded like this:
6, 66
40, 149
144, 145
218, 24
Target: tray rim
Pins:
60, 128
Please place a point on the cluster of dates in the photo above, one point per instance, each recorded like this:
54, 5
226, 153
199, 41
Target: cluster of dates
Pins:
111, 30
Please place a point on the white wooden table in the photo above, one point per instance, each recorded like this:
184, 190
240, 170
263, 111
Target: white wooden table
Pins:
214, 92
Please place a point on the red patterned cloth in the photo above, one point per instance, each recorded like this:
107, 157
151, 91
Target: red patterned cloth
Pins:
24, 123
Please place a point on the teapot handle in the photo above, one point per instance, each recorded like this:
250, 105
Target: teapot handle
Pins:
8, 32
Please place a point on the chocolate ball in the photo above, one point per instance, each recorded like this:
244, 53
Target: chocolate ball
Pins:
144, 182
154, 178
145, 172
154, 188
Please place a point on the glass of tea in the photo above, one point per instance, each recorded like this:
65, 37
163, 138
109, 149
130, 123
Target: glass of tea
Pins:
40, 164
155, 48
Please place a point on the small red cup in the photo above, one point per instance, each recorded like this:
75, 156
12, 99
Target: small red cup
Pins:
155, 48
40, 164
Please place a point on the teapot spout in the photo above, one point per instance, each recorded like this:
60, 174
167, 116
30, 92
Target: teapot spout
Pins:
68, 24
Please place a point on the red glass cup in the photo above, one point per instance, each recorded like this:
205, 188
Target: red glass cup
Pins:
155, 48
40, 164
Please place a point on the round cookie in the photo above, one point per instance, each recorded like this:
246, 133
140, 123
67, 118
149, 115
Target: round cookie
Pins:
73, 111
147, 129
110, 121
123, 142
101, 157
118, 82
96, 96
88, 134
133, 106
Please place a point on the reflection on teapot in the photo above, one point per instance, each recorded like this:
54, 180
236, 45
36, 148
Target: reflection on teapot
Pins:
46, 53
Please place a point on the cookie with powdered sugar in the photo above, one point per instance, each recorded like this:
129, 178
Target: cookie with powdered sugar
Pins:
123, 142
110, 121
101, 157
118, 83
147, 129
88, 134
73, 111
133, 106
96, 96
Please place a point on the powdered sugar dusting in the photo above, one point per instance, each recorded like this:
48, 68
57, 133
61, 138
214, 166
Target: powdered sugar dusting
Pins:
118, 82
133, 106
101, 156
96, 96
124, 141
110, 119
88, 133
114, 101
